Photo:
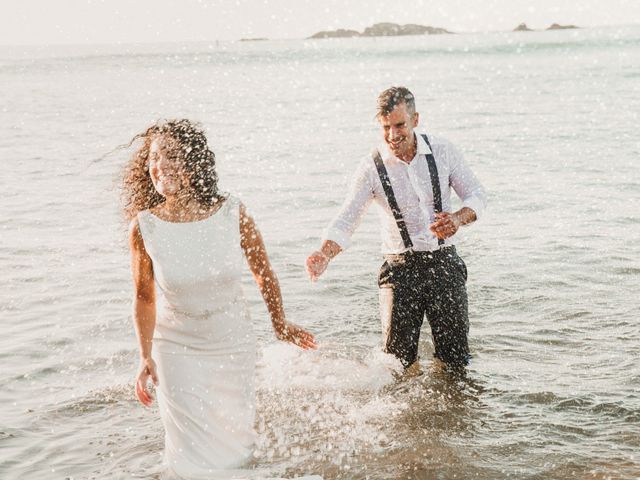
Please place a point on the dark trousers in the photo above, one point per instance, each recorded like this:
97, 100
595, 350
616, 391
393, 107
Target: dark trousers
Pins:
416, 284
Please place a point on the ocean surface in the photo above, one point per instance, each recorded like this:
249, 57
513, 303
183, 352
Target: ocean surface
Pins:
548, 121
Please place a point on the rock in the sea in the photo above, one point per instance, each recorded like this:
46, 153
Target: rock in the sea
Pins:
340, 33
393, 29
555, 26
382, 30
522, 28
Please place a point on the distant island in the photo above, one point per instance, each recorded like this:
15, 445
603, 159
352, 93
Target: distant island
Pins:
340, 33
522, 28
554, 26
382, 30
387, 29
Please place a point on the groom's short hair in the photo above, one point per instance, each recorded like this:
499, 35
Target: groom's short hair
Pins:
391, 97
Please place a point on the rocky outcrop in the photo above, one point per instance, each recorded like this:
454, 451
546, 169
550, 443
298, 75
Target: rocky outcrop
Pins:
555, 26
393, 29
522, 28
383, 30
340, 33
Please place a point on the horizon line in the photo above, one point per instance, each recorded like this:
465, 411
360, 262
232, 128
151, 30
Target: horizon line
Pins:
260, 38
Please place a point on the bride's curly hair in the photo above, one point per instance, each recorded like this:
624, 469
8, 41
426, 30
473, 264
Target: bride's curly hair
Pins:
138, 192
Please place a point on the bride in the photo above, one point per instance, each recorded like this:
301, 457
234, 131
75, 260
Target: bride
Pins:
196, 343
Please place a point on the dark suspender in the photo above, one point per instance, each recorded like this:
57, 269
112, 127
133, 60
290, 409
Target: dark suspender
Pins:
391, 199
435, 183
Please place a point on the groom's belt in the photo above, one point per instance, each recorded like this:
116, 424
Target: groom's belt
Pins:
427, 255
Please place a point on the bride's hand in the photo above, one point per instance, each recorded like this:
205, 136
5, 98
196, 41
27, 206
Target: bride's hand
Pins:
290, 332
147, 370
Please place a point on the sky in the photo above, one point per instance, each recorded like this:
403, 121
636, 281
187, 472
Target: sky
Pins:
46, 22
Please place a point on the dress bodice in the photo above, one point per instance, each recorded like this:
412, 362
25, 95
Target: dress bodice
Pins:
197, 265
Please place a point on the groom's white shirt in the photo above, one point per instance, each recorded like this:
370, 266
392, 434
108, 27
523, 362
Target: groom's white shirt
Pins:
413, 191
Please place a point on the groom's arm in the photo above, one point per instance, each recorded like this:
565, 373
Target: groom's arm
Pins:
337, 236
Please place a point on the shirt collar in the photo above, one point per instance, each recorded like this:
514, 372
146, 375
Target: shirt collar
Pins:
423, 149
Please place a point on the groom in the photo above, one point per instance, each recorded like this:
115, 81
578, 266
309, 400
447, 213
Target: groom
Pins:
411, 181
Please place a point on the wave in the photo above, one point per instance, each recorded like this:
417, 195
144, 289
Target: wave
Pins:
589, 405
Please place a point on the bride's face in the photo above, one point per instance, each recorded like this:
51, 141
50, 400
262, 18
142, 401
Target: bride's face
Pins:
166, 168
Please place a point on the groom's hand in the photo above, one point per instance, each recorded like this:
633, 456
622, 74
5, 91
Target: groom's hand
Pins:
318, 260
447, 224
316, 264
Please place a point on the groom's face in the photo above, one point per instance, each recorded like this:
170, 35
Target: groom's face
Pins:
397, 129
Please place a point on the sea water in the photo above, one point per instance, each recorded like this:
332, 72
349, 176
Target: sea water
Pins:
547, 120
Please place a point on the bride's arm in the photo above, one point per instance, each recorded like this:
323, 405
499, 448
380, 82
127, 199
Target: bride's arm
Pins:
144, 311
265, 277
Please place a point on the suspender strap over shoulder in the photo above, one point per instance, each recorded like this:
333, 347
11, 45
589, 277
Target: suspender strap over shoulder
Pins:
435, 182
391, 199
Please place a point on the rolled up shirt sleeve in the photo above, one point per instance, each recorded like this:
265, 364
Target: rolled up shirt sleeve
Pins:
466, 184
353, 209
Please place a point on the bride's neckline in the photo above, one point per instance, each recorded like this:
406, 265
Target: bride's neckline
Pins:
219, 207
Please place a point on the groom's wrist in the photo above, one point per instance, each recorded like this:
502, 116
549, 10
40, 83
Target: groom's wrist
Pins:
330, 249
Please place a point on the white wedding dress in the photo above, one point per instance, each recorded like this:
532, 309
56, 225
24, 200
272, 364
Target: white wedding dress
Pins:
203, 344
